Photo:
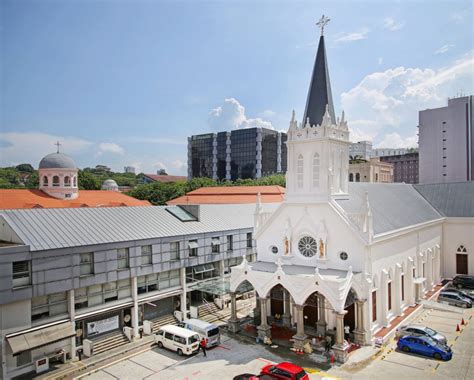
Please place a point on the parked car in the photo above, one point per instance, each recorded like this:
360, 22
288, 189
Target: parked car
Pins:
452, 298
418, 330
464, 281
426, 346
463, 293
285, 370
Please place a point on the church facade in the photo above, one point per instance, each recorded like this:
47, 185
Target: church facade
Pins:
337, 254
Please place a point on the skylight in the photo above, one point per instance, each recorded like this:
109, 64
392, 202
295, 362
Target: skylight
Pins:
181, 214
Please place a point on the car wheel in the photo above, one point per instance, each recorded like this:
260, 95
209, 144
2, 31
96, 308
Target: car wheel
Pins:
406, 349
160, 344
180, 352
437, 356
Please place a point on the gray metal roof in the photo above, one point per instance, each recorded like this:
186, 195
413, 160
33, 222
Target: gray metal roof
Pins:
57, 161
450, 199
394, 205
70, 227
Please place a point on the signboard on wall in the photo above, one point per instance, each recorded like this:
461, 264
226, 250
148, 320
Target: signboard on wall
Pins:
103, 325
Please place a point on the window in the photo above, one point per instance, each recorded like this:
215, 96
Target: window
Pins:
351, 177
55, 180
168, 336
74, 183
48, 306
389, 290
402, 281
299, 171
146, 254
21, 273
215, 245
376, 177
316, 170
158, 281
87, 263
174, 250
357, 177
462, 249
249, 240
45, 181
23, 358
123, 258
193, 248
67, 181
374, 306
230, 242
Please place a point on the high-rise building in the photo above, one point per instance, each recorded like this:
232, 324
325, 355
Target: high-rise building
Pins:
129, 169
363, 149
382, 152
241, 153
405, 167
446, 139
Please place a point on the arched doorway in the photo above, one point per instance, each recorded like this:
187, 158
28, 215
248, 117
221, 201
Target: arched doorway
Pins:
310, 311
349, 306
276, 300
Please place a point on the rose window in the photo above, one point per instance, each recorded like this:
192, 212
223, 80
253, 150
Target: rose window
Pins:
307, 246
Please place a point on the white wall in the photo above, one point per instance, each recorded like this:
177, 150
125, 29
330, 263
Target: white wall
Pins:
456, 232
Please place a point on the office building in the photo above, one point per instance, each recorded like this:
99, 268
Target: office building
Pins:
129, 169
405, 167
362, 149
241, 153
446, 140
382, 152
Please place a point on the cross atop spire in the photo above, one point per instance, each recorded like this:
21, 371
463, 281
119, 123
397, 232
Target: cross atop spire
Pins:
57, 146
322, 22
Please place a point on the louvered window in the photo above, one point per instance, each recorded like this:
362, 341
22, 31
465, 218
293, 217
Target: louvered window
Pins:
146, 254
21, 273
87, 263
123, 258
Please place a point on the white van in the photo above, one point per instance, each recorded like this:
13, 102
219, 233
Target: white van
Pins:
205, 330
174, 338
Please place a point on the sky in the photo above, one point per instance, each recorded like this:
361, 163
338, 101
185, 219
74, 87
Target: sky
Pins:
126, 82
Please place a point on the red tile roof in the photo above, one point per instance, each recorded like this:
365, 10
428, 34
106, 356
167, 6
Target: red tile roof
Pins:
231, 195
166, 178
27, 198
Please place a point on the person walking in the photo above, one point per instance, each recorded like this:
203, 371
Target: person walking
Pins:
202, 346
328, 343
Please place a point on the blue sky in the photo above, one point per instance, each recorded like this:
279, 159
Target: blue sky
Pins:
125, 82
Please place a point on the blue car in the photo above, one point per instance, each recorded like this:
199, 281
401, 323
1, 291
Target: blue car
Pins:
426, 346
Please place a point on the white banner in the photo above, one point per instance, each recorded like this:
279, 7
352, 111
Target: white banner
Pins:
104, 325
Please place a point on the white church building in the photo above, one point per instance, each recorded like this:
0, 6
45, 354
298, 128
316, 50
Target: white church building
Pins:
338, 254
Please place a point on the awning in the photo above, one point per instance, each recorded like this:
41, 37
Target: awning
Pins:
203, 268
193, 244
41, 337
215, 241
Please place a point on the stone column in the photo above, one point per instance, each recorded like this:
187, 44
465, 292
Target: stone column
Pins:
286, 318
360, 332
321, 323
429, 269
264, 331
256, 311
135, 321
233, 322
338, 348
300, 337
184, 294
72, 316
410, 286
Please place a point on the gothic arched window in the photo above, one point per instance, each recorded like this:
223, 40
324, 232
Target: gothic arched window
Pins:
299, 171
316, 170
67, 181
351, 177
74, 179
55, 180
357, 177
462, 249
45, 181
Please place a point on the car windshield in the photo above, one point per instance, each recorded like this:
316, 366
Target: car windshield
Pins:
193, 339
430, 331
213, 332
300, 375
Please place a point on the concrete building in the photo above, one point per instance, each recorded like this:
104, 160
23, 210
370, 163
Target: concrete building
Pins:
362, 149
382, 152
129, 169
241, 153
405, 167
446, 140
75, 278
371, 171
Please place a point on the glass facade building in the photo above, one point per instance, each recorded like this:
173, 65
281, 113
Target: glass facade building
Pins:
241, 153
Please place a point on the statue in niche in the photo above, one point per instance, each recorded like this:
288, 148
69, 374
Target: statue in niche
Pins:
321, 248
287, 238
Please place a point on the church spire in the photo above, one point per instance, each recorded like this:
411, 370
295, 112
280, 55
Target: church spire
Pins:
319, 94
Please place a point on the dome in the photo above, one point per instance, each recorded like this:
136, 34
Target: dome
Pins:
57, 161
110, 184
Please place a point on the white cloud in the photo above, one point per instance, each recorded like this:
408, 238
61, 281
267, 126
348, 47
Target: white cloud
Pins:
394, 140
110, 148
443, 49
267, 113
231, 115
392, 25
31, 147
178, 164
390, 99
362, 34
160, 165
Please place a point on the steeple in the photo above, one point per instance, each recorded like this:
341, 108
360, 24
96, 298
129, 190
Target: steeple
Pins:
319, 94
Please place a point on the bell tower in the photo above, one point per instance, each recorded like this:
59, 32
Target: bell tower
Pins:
318, 150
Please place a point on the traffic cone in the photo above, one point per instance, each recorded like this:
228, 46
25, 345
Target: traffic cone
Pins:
457, 328
333, 359
462, 322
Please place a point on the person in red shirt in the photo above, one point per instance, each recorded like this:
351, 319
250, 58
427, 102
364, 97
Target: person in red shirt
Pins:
202, 346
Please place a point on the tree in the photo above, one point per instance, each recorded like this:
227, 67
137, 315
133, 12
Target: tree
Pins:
87, 181
32, 182
161, 172
357, 159
25, 168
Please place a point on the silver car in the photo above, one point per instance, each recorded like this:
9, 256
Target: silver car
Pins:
418, 330
455, 299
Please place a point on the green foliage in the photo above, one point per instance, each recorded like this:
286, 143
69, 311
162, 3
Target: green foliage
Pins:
357, 159
10, 178
32, 181
25, 168
87, 181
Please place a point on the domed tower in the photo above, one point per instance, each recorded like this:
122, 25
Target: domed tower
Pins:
110, 184
58, 176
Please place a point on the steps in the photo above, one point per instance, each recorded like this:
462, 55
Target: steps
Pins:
168, 319
109, 341
207, 308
